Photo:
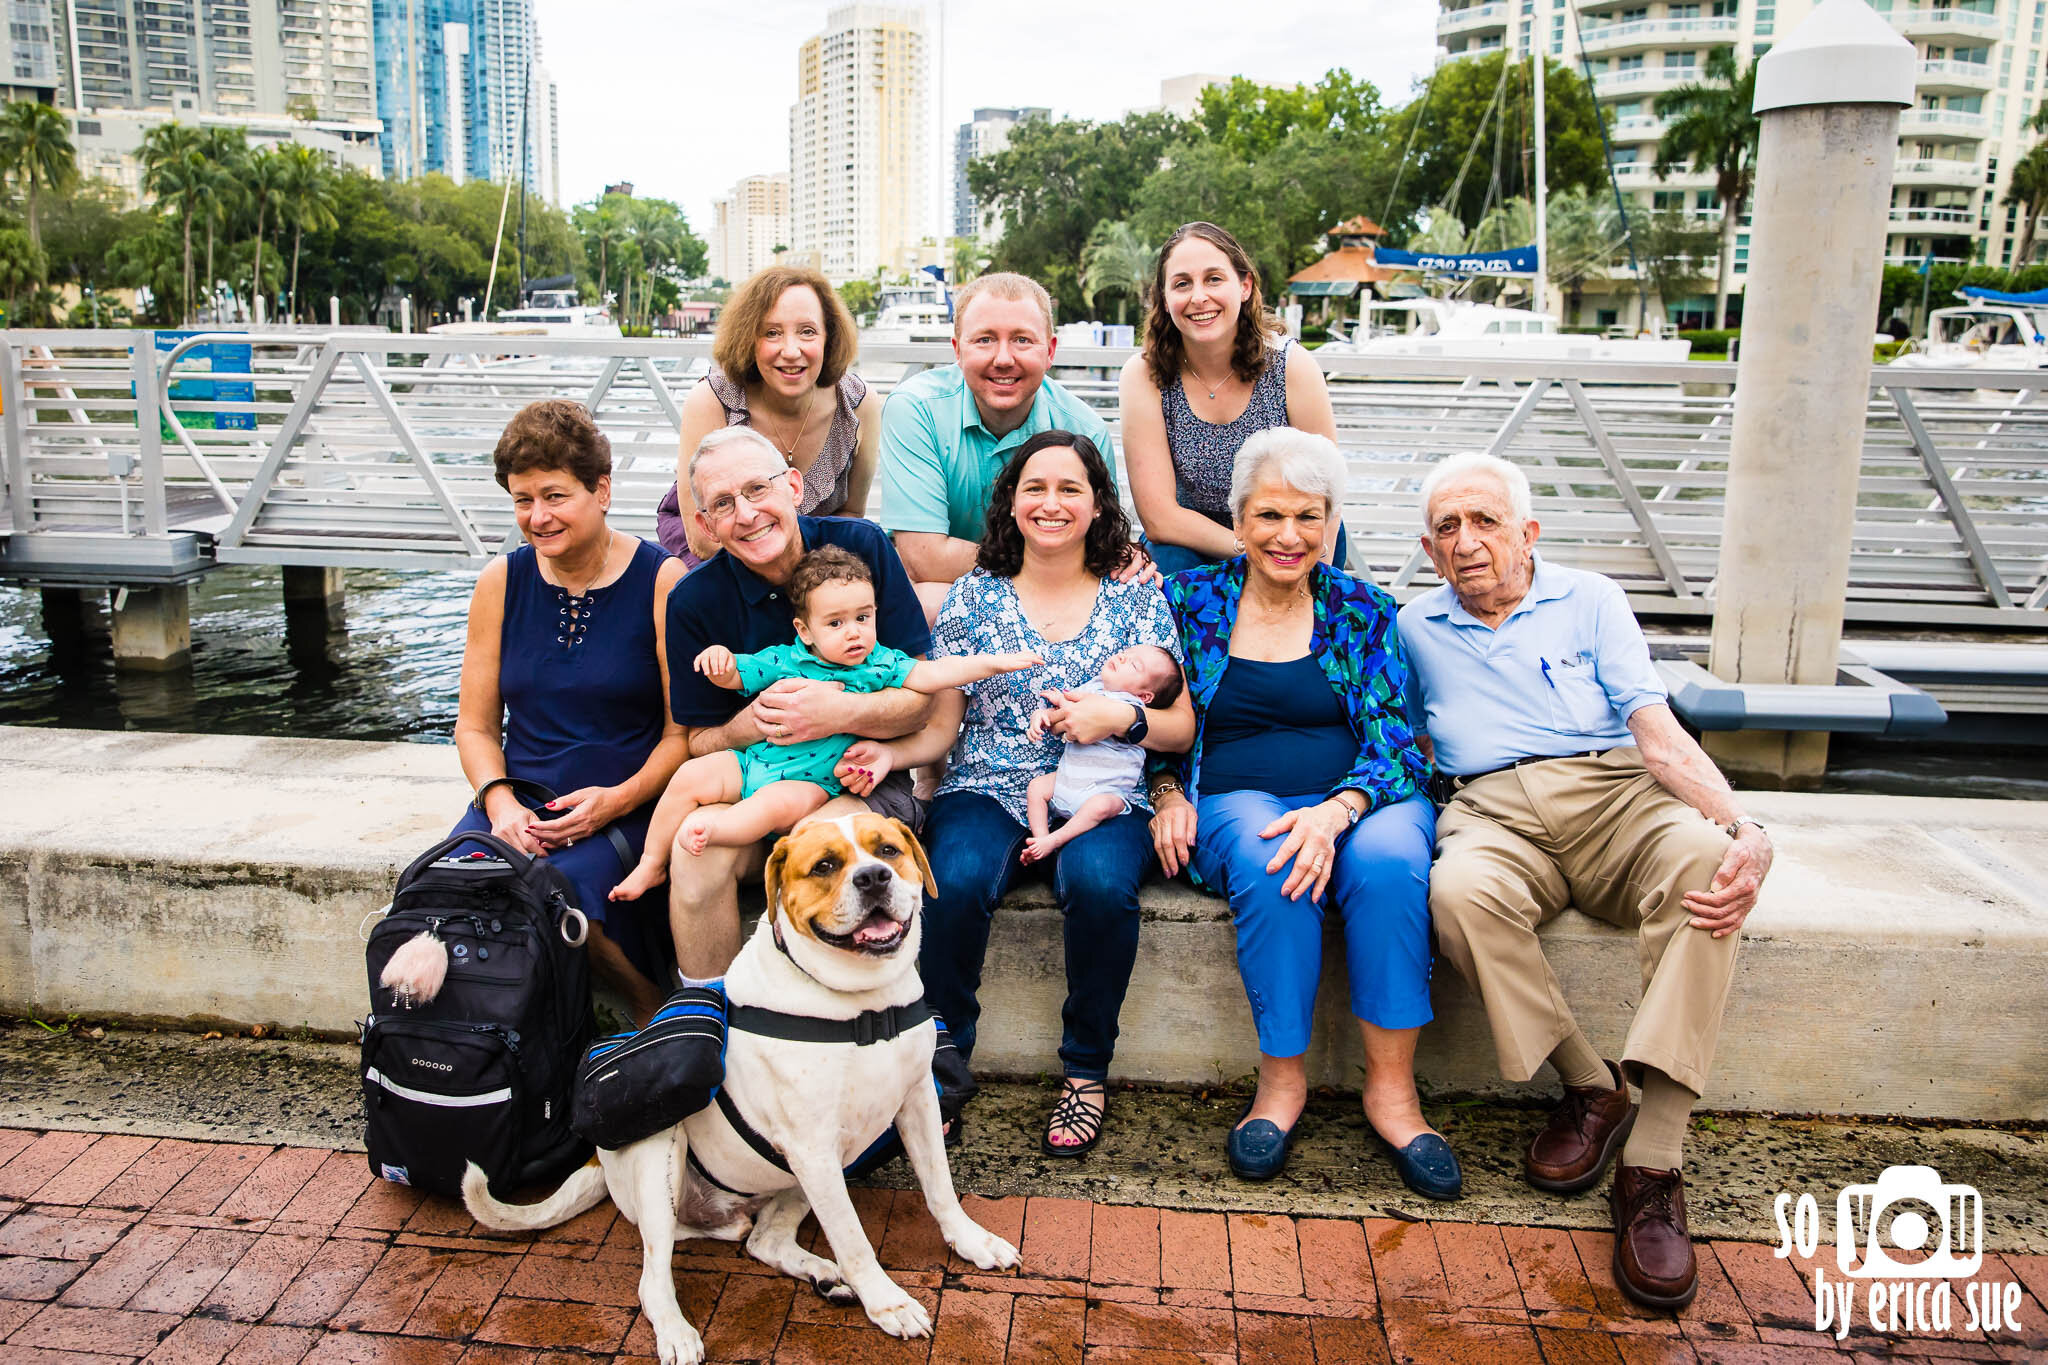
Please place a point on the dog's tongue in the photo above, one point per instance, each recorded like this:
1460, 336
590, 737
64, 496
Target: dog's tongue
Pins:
877, 928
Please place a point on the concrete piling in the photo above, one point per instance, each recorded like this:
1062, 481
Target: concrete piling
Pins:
153, 627
1829, 98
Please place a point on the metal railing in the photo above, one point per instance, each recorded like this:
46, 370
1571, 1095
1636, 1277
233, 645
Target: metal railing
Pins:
1652, 32
1943, 19
371, 449
1963, 123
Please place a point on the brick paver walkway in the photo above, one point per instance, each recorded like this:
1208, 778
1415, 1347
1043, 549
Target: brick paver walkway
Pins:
115, 1247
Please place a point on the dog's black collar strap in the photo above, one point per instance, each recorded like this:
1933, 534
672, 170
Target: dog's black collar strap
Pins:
869, 1026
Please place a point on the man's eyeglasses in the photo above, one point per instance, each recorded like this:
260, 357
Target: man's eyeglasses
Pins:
727, 506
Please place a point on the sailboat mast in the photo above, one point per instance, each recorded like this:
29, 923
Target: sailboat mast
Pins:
1542, 183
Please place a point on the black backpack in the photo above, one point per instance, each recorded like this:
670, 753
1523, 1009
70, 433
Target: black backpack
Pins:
483, 1071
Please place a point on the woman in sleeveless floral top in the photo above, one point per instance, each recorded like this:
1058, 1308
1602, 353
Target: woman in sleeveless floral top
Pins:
1215, 371
782, 363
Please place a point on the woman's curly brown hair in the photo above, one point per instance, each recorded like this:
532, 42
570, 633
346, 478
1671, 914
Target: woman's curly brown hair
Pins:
1108, 546
1166, 355
555, 433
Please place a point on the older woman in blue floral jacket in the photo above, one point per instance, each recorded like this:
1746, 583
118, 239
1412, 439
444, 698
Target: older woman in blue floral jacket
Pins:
1304, 798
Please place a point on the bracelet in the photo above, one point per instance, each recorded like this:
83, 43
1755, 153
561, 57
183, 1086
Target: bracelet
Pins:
1169, 785
477, 801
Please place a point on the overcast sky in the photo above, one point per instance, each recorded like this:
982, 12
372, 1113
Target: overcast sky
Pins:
683, 97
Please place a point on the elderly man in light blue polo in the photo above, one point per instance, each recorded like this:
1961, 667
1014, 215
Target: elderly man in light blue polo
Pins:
947, 433
1572, 783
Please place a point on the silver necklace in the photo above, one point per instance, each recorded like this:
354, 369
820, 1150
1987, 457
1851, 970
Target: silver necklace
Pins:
1228, 375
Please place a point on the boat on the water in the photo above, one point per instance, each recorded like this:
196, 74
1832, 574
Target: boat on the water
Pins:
911, 313
1463, 330
1990, 331
552, 309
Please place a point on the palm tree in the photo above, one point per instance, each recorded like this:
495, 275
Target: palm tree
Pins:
2029, 190
306, 201
1116, 262
605, 229
265, 181
226, 154
173, 170
1583, 234
35, 148
1715, 129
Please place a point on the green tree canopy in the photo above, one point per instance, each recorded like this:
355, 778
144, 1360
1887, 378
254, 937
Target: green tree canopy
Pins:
1476, 110
1250, 120
1056, 180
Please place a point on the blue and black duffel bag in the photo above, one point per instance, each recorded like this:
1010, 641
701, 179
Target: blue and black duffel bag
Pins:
632, 1085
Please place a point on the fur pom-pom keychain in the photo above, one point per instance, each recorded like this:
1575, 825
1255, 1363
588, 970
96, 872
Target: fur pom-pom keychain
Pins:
416, 971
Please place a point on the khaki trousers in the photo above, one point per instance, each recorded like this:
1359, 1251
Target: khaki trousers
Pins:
1515, 847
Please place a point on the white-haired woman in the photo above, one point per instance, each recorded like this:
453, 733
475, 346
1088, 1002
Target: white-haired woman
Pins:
1304, 798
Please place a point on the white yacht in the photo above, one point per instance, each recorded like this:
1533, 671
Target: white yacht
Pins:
1462, 330
910, 313
1984, 334
546, 312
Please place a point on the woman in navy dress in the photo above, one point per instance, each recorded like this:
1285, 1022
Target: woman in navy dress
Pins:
565, 684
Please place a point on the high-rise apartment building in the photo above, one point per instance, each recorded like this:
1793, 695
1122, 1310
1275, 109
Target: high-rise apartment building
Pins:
32, 70
860, 143
451, 77
1981, 78
310, 58
987, 133
279, 70
748, 224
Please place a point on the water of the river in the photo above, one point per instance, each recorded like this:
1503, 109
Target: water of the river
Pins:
392, 675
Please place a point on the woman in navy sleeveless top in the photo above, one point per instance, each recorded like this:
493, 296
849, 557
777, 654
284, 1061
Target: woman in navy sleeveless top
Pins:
564, 684
1215, 371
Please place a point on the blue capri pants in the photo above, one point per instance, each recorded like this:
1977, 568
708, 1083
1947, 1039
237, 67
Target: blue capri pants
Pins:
1379, 888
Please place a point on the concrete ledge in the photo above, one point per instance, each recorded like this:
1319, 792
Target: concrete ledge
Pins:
1894, 967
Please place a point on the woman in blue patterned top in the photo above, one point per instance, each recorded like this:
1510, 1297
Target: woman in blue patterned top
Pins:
1042, 583
1304, 797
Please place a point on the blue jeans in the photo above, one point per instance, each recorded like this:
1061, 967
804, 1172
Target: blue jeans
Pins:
1171, 559
973, 844
1379, 886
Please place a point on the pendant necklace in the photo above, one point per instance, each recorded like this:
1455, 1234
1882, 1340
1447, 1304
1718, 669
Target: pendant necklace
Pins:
802, 424
1210, 388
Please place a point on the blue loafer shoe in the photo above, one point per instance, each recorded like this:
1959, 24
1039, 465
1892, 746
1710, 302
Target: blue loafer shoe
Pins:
1428, 1166
1257, 1150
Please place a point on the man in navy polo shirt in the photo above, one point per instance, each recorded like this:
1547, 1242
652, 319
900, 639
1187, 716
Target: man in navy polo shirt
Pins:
746, 497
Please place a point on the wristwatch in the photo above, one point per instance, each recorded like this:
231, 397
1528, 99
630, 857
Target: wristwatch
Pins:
1733, 829
1139, 727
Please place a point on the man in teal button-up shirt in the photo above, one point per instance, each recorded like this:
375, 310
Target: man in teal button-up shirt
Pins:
946, 433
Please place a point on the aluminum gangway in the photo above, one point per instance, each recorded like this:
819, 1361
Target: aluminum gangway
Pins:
372, 449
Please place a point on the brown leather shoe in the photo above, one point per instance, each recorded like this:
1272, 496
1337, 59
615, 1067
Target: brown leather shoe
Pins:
1653, 1259
1585, 1131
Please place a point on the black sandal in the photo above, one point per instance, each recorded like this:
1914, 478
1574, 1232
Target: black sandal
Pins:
1076, 1117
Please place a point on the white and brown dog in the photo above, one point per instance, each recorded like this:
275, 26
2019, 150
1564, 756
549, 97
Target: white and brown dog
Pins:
839, 942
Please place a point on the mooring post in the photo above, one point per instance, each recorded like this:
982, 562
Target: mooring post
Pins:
153, 627
1829, 98
314, 593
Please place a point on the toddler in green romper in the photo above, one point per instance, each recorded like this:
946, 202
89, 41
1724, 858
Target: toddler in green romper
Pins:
770, 786
814, 759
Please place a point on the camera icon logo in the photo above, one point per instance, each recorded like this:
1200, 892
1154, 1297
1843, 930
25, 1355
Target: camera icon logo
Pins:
1909, 1209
